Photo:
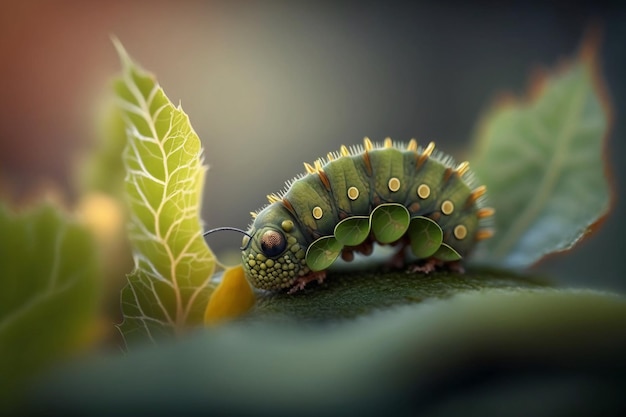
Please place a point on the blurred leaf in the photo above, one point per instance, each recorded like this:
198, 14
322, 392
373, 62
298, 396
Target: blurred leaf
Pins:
232, 298
482, 351
103, 171
169, 288
543, 167
102, 206
48, 293
348, 295
447, 253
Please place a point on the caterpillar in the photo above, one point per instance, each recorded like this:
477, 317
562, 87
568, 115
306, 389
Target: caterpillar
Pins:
392, 193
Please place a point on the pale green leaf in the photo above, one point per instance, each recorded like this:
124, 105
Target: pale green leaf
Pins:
352, 231
543, 165
48, 293
170, 286
322, 253
447, 253
390, 222
426, 236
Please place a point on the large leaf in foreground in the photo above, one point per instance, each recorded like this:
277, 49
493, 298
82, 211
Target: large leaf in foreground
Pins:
169, 287
48, 293
477, 353
543, 167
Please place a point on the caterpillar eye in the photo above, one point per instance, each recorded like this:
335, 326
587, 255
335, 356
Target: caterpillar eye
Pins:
273, 243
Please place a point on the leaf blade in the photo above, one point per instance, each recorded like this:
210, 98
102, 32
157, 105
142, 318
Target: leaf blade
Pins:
390, 222
542, 163
170, 286
34, 331
426, 236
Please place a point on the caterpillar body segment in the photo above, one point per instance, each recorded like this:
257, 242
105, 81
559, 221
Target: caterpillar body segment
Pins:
413, 189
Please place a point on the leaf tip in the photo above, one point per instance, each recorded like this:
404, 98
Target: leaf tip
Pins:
125, 59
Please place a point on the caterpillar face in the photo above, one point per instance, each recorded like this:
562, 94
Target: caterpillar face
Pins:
275, 258
390, 193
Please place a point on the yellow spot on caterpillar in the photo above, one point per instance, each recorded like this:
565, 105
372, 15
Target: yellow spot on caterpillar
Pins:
353, 193
318, 165
273, 198
388, 143
309, 168
330, 156
485, 212
344, 151
484, 234
476, 194
393, 184
317, 212
368, 144
447, 207
253, 214
287, 225
412, 146
460, 232
462, 168
423, 191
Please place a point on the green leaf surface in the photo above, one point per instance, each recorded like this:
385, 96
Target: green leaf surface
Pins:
543, 165
352, 231
348, 295
390, 222
447, 253
475, 353
322, 253
48, 293
426, 236
169, 288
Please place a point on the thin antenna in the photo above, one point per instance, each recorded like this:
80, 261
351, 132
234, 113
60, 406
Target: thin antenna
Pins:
234, 229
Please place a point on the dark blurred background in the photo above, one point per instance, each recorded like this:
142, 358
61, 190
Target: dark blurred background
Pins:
268, 85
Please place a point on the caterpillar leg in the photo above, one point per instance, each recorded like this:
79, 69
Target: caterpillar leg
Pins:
431, 264
301, 282
425, 266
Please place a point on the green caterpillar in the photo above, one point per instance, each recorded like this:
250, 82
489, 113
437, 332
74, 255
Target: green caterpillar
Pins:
389, 193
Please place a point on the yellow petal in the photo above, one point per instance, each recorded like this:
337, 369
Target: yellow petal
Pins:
232, 298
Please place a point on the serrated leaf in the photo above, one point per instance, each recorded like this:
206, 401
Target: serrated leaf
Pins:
322, 253
352, 231
390, 222
48, 293
169, 288
426, 236
543, 167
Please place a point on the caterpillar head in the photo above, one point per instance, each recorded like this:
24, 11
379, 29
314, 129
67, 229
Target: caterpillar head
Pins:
274, 256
